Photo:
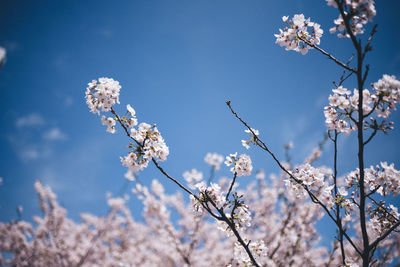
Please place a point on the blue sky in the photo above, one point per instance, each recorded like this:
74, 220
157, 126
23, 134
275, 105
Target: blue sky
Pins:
178, 61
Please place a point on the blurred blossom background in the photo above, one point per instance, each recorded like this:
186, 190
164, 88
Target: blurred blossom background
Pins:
178, 61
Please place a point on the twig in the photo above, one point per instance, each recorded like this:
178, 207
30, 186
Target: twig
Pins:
222, 216
337, 61
313, 198
379, 239
230, 188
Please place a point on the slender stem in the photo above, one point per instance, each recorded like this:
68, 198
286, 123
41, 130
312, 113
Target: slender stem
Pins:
232, 226
379, 239
232, 183
383, 208
171, 178
360, 85
313, 198
371, 136
338, 219
222, 216
337, 61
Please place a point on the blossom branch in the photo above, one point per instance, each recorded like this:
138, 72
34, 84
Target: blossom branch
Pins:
382, 237
383, 208
368, 45
373, 134
232, 183
313, 198
330, 56
360, 83
338, 219
232, 226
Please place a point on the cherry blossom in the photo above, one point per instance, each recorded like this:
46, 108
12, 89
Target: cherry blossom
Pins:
241, 165
359, 13
101, 95
269, 222
214, 159
246, 143
296, 36
193, 177
109, 122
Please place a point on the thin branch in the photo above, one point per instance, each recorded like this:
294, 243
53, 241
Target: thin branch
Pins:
383, 208
368, 45
360, 84
231, 225
379, 239
313, 198
365, 73
171, 178
203, 203
153, 160
230, 188
373, 191
337, 61
338, 219
371, 136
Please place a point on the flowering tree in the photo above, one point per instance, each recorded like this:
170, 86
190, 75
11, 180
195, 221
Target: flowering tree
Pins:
269, 223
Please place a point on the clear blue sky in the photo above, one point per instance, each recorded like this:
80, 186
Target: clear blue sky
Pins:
178, 62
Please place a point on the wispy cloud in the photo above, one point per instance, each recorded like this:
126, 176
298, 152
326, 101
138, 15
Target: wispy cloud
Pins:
33, 119
54, 134
32, 139
29, 154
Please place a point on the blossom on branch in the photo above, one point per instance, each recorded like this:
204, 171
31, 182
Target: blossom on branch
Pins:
293, 36
109, 122
358, 12
246, 143
387, 90
101, 95
241, 165
193, 177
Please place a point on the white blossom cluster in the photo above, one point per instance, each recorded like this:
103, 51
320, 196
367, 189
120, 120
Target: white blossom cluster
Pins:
385, 176
297, 30
288, 227
101, 95
242, 216
193, 177
360, 12
241, 219
241, 165
242, 259
150, 145
214, 159
260, 174
350, 263
109, 122
381, 220
314, 155
387, 90
246, 143
206, 193
342, 104
314, 179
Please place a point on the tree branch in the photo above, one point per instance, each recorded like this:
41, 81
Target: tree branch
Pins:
313, 198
